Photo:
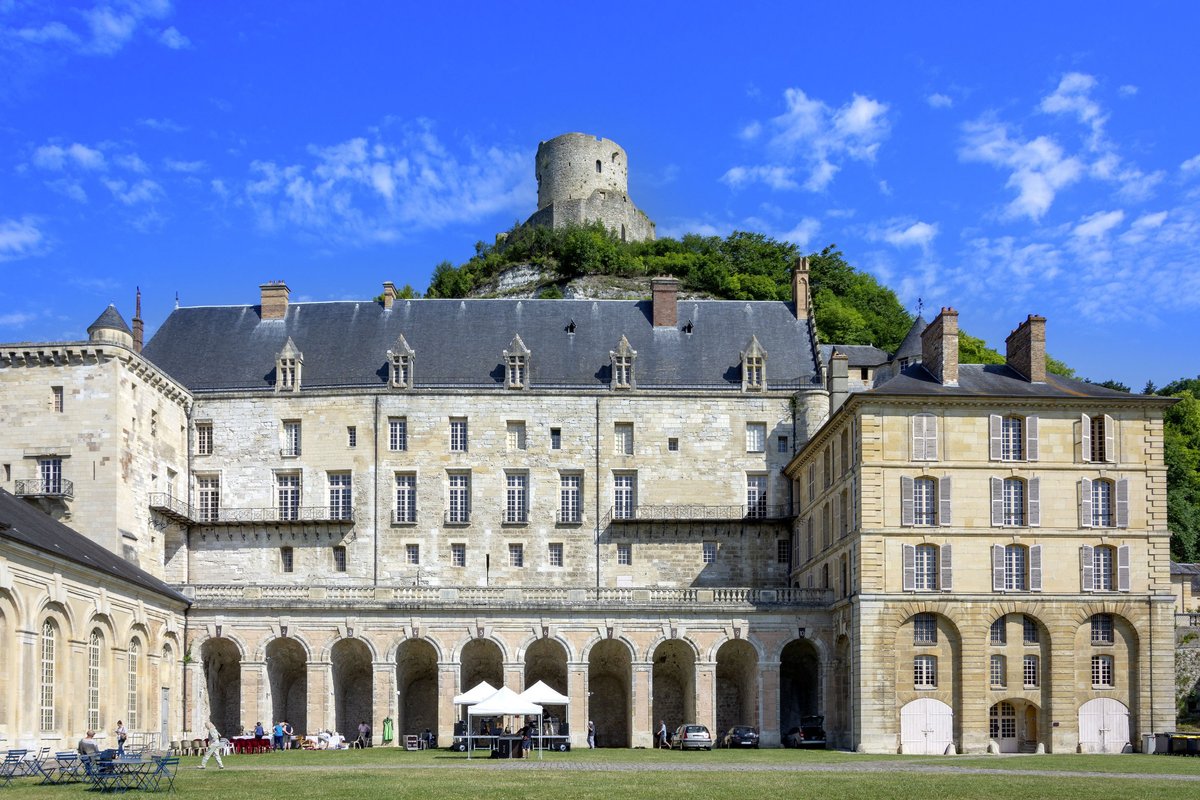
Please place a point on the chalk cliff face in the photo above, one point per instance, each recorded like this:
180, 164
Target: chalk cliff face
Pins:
528, 280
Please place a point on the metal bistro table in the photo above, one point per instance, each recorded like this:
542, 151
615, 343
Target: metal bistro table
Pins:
65, 768
128, 773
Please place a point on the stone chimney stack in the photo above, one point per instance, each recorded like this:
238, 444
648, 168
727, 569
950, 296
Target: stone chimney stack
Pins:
800, 293
137, 323
839, 381
274, 303
666, 302
939, 347
389, 294
1026, 349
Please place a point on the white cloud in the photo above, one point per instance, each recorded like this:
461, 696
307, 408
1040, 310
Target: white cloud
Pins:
165, 125
15, 319
219, 188
802, 233
885, 188
104, 29
173, 165
173, 39
751, 131
131, 162
1098, 225
1127, 90
143, 191
1073, 96
938, 100
69, 187
55, 157
1038, 168
906, 234
20, 238
51, 32
1191, 165
774, 177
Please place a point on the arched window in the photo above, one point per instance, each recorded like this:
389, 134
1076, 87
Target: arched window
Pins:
1103, 564
599, 166
998, 634
95, 652
1014, 501
1016, 567
135, 653
1102, 504
926, 566
49, 646
1102, 629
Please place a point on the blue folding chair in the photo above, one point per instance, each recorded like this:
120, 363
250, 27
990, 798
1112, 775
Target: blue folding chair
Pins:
11, 767
165, 770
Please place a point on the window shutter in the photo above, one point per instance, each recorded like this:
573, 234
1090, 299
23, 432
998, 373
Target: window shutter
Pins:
947, 571
906, 500
944, 500
1110, 439
837, 520
1085, 438
1123, 568
918, 437
1035, 568
998, 568
1123, 503
931, 437
997, 501
1031, 438
1087, 579
1085, 503
994, 451
853, 505
1034, 486
910, 567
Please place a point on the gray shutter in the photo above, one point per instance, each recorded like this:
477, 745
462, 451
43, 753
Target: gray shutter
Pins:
998, 568
1034, 499
997, 501
944, 500
1123, 503
946, 575
931, 437
910, 567
994, 451
1085, 503
1031, 438
918, 437
1087, 579
837, 519
1110, 439
853, 508
906, 500
1123, 568
1085, 438
1035, 568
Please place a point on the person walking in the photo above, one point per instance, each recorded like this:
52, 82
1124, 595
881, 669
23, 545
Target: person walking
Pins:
214, 746
662, 735
591, 734
122, 734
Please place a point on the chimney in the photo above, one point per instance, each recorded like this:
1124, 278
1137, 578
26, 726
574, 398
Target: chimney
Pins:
274, 301
389, 294
1026, 349
137, 323
839, 378
666, 295
939, 347
800, 294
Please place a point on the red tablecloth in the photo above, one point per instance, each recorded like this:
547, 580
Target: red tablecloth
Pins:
251, 744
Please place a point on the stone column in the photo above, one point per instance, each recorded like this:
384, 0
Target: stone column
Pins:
447, 684
320, 698
705, 696
768, 704
255, 704
973, 711
71, 680
514, 676
577, 712
1061, 715
383, 683
197, 700
642, 705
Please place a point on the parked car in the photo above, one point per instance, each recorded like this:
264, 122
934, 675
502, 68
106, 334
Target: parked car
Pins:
740, 736
691, 737
809, 733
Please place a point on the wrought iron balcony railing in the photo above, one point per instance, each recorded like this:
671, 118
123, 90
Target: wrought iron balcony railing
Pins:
181, 511
569, 517
40, 488
753, 512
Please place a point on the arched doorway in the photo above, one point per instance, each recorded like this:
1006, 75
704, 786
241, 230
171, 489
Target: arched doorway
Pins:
481, 660
1103, 726
222, 664
673, 679
353, 691
799, 683
926, 727
416, 686
1002, 726
839, 716
737, 686
287, 677
610, 679
546, 661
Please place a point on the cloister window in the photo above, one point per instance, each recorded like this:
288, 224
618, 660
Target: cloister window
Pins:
135, 654
49, 646
998, 672
95, 653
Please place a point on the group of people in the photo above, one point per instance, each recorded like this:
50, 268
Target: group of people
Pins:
89, 746
281, 734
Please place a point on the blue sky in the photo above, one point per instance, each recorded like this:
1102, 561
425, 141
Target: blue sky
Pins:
1004, 159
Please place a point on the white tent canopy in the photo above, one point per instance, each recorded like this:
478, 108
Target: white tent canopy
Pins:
544, 695
482, 691
504, 702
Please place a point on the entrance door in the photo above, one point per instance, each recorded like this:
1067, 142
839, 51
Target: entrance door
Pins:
1103, 726
164, 716
1031, 725
926, 727
1002, 726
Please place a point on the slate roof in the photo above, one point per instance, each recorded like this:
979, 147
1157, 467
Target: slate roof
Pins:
994, 380
1184, 569
21, 522
911, 346
459, 343
111, 318
857, 355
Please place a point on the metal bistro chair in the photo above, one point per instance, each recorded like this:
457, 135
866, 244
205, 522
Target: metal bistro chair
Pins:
165, 770
32, 765
11, 765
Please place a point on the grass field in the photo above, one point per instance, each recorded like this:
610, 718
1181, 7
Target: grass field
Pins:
619, 774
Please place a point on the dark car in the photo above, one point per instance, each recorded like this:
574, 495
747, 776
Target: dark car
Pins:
740, 736
809, 733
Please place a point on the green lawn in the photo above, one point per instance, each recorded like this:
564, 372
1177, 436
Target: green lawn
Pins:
619, 774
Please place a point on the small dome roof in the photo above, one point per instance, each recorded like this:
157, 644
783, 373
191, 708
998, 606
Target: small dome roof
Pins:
110, 319
911, 346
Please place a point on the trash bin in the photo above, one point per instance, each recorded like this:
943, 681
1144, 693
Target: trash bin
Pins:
1149, 743
1162, 744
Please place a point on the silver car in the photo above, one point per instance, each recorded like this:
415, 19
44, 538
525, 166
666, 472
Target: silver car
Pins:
691, 737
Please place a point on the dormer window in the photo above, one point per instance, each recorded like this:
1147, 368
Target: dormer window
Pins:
287, 368
622, 365
400, 364
516, 360
754, 367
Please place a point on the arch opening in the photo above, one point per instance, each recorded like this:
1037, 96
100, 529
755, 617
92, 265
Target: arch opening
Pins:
222, 664
353, 690
610, 684
799, 684
287, 677
737, 686
546, 661
416, 684
673, 678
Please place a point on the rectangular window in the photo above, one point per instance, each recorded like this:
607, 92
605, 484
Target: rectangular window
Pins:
1029, 630
56, 393
756, 437
783, 551
458, 434
339, 558
622, 371
569, 501
1012, 439
50, 472
754, 372
406, 497
827, 467
208, 488
624, 554
709, 552
516, 435
555, 556
1014, 501
460, 498
783, 444
516, 554
997, 672
925, 672
291, 439
286, 559
351, 436
623, 438
925, 629
1102, 629
1102, 569
925, 562
398, 433
624, 495
1014, 568
458, 555
1102, 516
1029, 672
412, 554
1102, 672
673, 444
1098, 438
340, 504
516, 500
924, 502
556, 438
204, 438
287, 492
756, 496
95, 644
998, 634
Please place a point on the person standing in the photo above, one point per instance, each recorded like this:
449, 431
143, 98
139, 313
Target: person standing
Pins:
662, 734
287, 735
122, 734
214, 746
277, 736
591, 734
